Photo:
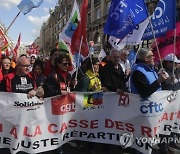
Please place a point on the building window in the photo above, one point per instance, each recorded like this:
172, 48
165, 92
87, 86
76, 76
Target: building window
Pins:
96, 2
107, 7
60, 15
98, 13
97, 38
64, 20
60, 25
89, 18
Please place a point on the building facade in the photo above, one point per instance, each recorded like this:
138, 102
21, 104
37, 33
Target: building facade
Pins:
96, 18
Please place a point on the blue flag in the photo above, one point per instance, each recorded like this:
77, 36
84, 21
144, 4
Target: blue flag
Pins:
124, 16
25, 6
163, 19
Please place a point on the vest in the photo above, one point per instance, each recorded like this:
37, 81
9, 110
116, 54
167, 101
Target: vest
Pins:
93, 79
149, 73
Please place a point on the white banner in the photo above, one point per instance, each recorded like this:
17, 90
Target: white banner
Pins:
33, 126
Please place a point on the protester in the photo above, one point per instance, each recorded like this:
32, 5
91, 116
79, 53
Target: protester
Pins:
20, 81
6, 65
144, 80
173, 81
37, 73
90, 81
32, 61
49, 65
59, 81
124, 62
111, 75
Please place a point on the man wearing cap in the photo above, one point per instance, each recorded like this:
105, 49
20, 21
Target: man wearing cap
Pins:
170, 65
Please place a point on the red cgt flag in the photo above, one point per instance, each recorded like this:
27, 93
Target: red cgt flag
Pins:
81, 32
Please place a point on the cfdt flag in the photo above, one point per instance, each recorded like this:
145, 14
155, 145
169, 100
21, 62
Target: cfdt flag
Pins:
25, 6
123, 17
163, 19
71, 25
131, 39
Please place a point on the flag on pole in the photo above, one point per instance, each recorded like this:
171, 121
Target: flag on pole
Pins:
25, 6
17, 45
81, 32
71, 25
166, 43
3, 41
124, 16
101, 55
131, 39
163, 19
32, 49
63, 46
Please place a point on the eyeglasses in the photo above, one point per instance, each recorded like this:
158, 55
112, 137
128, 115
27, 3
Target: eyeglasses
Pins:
25, 65
6, 63
65, 64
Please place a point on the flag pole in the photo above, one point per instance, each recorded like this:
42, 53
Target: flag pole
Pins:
79, 56
155, 42
13, 21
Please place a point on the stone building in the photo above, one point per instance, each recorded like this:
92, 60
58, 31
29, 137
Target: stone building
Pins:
97, 15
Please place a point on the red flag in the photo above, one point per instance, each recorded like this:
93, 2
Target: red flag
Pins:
3, 41
81, 32
166, 43
33, 49
7, 52
17, 45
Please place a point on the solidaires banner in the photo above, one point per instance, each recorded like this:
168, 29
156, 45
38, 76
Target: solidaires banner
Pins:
34, 125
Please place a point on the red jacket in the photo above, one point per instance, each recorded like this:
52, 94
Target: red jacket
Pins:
1, 75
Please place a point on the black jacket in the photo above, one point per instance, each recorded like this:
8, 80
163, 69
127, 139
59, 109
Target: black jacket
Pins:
112, 78
54, 83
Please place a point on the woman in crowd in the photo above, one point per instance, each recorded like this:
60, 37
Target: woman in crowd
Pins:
49, 64
90, 81
37, 73
59, 81
6, 65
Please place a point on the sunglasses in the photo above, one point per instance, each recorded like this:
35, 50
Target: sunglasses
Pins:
65, 64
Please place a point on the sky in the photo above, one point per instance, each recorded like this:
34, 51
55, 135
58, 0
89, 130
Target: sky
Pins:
28, 25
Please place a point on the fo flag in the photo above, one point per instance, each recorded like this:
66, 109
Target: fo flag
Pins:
123, 17
25, 6
163, 19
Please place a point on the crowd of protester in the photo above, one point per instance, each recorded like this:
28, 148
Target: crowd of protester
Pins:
43, 78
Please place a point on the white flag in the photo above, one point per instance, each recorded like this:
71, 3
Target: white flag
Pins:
133, 39
71, 25
102, 54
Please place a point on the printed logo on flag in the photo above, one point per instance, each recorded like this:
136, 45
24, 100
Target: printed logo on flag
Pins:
72, 25
150, 109
93, 101
63, 104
